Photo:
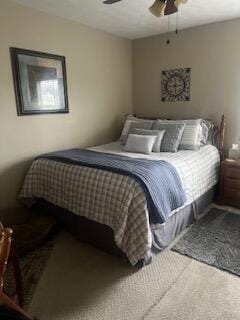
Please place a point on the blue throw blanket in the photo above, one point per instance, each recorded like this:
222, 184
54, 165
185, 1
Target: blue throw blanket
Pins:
159, 179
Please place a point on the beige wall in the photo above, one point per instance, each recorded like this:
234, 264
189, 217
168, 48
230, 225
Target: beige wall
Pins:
213, 53
99, 72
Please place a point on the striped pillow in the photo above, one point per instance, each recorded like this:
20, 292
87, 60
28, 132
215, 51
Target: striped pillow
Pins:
192, 134
131, 123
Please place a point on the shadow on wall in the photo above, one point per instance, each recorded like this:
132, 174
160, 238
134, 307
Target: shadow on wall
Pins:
103, 135
12, 176
11, 179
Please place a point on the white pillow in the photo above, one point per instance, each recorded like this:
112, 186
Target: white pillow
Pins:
131, 123
158, 133
140, 144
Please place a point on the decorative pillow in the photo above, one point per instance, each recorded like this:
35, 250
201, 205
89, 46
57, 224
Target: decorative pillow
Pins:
172, 136
192, 134
140, 144
159, 135
131, 123
207, 131
191, 138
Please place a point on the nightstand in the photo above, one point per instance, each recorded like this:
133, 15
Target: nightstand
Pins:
230, 183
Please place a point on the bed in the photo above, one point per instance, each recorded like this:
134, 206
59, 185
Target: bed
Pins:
110, 209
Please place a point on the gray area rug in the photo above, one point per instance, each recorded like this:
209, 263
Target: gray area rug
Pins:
214, 240
32, 265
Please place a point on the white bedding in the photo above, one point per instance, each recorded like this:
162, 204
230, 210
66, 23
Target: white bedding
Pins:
198, 170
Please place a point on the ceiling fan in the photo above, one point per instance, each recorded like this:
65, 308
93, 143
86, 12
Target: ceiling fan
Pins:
160, 7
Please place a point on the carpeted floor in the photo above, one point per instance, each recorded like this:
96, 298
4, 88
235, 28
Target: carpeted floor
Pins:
83, 283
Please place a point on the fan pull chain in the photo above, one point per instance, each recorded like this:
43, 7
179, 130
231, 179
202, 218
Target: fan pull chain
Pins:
177, 23
177, 30
168, 40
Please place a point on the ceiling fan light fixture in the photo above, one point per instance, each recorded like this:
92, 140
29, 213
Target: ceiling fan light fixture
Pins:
158, 8
179, 2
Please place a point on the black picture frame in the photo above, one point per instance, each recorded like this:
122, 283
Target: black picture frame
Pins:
176, 85
40, 84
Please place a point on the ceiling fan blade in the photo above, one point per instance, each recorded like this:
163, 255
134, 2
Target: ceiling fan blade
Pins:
158, 8
111, 1
171, 7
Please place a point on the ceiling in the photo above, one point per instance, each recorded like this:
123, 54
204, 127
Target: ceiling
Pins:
131, 18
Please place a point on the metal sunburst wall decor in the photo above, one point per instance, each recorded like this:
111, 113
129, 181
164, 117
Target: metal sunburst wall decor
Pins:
176, 85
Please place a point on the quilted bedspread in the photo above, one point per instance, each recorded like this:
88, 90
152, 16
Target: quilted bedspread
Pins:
116, 200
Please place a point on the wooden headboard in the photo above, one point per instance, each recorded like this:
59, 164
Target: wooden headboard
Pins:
222, 132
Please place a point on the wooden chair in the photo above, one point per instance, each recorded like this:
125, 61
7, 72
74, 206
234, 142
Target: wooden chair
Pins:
6, 251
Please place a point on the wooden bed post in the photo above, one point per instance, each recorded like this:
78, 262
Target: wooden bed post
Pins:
222, 136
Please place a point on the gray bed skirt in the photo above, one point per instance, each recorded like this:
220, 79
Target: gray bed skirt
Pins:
102, 237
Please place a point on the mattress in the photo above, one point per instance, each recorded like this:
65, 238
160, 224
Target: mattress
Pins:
115, 200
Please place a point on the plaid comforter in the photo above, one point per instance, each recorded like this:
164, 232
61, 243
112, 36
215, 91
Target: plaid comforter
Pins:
117, 201
159, 179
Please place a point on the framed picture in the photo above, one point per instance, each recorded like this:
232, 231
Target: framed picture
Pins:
176, 85
40, 82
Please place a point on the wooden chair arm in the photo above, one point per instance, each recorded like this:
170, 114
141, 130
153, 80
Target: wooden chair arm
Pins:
5, 245
7, 248
7, 302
